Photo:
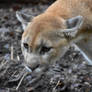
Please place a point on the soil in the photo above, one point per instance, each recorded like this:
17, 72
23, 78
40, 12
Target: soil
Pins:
69, 74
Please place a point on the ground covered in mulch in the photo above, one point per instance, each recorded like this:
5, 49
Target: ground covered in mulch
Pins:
69, 74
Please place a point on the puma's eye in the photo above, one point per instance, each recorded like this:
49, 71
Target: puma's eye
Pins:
26, 45
45, 49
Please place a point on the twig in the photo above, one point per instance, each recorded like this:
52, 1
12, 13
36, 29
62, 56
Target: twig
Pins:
18, 58
21, 81
3, 64
12, 52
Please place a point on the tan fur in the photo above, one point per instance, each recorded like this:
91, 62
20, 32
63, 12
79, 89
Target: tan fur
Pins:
45, 25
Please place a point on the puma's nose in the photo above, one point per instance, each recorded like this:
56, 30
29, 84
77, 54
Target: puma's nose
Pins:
34, 67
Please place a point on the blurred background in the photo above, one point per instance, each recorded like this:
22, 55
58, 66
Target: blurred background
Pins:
27, 1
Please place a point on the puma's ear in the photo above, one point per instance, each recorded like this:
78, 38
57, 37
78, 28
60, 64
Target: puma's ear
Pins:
73, 25
23, 18
74, 22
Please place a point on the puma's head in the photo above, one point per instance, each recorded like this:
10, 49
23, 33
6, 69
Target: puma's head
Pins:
45, 38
